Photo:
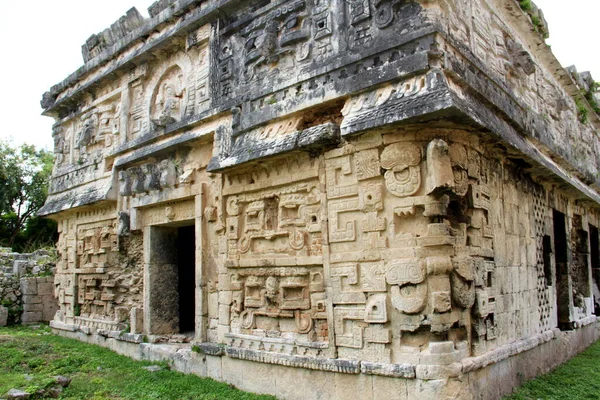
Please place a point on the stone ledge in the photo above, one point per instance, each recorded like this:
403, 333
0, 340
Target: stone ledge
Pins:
393, 370
63, 327
506, 351
158, 147
432, 373
212, 349
251, 148
122, 336
323, 364
184, 360
88, 193
407, 371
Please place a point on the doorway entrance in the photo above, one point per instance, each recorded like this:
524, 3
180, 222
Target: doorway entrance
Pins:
186, 268
170, 279
561, 258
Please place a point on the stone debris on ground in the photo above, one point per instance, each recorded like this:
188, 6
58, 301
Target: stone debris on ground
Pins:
52, 390
153, 368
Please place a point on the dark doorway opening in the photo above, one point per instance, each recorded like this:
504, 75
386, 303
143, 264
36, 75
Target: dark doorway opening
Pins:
595, 260
186, 268
562, 269
580, 262
547, 250
171, 279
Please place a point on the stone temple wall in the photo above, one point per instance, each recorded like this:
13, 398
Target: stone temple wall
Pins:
345, 196
26, 287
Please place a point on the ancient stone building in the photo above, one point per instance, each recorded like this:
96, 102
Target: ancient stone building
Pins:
329, 198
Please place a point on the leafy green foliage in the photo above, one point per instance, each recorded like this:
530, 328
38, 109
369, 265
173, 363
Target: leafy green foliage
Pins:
24, 177
96, 372
526, 5
582, 111
538, 26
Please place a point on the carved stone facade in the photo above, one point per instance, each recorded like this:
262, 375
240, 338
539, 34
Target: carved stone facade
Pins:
388, 196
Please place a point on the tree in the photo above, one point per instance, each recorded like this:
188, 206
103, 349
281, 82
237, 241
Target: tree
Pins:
24, 177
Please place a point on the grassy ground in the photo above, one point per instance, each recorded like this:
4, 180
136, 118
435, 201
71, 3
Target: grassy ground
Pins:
30, 357
577, 379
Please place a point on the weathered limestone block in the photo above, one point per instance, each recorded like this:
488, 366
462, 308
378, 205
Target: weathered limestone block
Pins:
29, 286
50, 307
45, 286
31, 317
136, 320
20, 267
3, 316
32, 307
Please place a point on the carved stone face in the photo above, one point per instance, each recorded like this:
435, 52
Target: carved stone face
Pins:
86, 135
169, 91
167, 106
401, 162
124, 184
272, 285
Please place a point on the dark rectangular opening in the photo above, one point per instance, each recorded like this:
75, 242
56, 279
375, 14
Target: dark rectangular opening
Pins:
171, 280
595, 260
186, 268
594, 250
580, 264
563, 299
560, 238
547, 250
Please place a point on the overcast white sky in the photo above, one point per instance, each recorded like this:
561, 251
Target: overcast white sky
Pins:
40, 44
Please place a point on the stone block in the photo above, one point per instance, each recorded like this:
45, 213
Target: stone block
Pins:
3, 316
136, 320
225, 297
16, 394
224, 311
214, 367
430, 372
290, 384
50, 307
33, 307
233, 372
350, 386
383, 387
258, 377
32, 299
212, 335
213, 304
222, 330
44, 287
20, 267
31, 317
29, 286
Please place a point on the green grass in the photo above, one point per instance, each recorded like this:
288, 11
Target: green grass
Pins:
577, 379
29, 358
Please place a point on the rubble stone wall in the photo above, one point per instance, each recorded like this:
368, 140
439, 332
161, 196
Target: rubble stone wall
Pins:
350, 193
26, 287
